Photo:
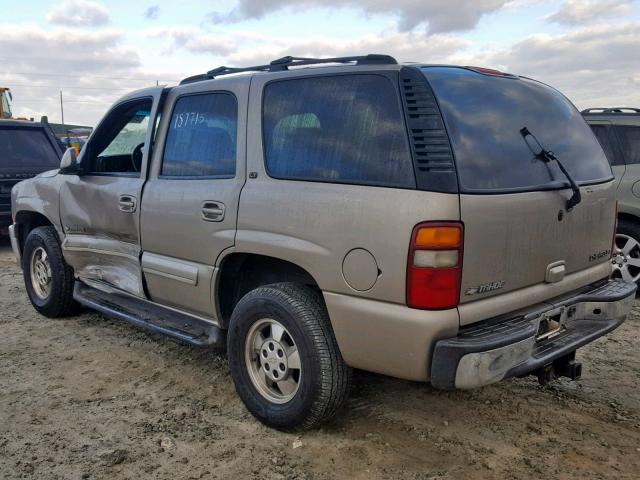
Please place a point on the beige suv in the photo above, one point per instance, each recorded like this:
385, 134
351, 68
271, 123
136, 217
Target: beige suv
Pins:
410, 220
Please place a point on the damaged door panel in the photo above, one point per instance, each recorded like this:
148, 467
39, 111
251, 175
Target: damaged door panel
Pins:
99, 207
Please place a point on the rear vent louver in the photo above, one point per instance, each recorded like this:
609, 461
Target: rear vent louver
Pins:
430, 147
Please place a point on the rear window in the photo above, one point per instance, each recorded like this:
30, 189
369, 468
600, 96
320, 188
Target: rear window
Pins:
341, 129
484, 115
27, 148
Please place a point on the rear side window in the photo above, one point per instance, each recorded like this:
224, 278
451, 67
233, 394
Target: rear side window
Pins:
484, 115
27, 148
201, 141
604, 135
630, 142
341, 129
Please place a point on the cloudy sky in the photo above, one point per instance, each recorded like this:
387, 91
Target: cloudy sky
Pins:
95, 51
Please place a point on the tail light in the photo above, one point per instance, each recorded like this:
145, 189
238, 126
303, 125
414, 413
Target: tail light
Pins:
434, 267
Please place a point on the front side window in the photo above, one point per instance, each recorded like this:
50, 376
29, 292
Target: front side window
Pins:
202, 137
117, 145
341, 129
630, 142
603, 134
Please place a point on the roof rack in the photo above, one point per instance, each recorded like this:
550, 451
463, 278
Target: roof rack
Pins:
611, 110
284, 63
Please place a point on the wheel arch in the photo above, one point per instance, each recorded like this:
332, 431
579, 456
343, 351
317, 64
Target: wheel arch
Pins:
239, 273
26, 221
629, 217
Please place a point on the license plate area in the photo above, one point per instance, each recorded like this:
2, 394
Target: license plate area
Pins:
551, 324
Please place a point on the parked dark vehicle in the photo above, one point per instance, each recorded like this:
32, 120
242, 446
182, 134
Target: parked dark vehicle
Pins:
26, 149
618, 130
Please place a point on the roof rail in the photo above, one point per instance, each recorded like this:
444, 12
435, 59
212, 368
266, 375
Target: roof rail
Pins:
284, 63
611, 110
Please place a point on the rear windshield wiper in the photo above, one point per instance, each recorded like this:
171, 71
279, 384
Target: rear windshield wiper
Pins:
547, 156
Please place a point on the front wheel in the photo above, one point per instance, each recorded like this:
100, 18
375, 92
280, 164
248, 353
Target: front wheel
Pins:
284, 358
47, 277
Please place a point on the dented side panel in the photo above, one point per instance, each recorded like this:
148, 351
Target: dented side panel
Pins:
100, 216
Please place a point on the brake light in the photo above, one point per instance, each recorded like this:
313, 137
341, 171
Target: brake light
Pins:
434, 267
489, 71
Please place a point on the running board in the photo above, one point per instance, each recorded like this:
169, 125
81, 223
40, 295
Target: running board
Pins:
149, 316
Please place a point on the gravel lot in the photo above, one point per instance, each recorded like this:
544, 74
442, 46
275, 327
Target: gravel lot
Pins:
90, 397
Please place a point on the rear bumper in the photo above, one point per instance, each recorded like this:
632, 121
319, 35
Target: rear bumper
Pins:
13, 236
490, 351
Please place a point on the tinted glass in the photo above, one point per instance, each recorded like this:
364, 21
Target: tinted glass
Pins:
603, 134
117, 145
484, 115
342, 129
630, 142
202, 137
27, 148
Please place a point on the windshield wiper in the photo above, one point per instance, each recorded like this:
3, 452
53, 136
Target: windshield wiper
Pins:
548, 156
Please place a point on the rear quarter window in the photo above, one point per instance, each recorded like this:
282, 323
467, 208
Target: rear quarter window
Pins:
341, 129
629, 142
607, 141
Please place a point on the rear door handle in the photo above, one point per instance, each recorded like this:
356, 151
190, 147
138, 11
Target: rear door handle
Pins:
212, 211
127, 203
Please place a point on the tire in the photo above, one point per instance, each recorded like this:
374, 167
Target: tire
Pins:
323, 378
59, 301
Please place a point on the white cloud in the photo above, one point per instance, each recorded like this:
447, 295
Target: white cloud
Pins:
192, 39
440, 15
593, 66
404, 46
576, 12
244, 48
79, 13
93, 69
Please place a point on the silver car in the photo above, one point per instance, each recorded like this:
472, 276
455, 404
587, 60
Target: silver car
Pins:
433, 223
618, 131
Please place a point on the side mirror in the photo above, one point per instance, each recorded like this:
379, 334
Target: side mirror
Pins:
69, 162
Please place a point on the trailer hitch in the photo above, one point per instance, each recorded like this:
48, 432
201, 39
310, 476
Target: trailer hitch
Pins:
562, 367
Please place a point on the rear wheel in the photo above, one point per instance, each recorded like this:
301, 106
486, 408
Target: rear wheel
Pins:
47, 277
284, 359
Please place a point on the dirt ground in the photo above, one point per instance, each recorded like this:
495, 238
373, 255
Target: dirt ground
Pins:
89, 397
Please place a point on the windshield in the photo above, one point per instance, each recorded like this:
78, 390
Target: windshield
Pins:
484, 115
26, 148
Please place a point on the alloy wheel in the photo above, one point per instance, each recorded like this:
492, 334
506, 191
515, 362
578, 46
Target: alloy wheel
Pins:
41, 276
626, 258
272, 360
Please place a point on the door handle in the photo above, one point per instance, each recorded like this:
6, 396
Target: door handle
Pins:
212, 211
127, 203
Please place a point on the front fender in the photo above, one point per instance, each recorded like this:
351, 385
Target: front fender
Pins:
39, 195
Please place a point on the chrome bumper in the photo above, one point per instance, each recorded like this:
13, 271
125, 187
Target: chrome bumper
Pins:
488, 352
13, 235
